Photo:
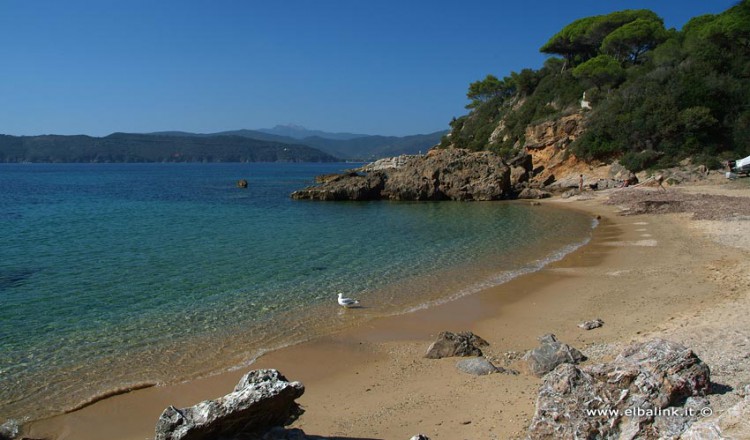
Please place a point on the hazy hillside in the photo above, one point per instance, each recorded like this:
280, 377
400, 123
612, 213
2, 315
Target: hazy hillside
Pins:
340, 145
123, 147
375, 147
299, 132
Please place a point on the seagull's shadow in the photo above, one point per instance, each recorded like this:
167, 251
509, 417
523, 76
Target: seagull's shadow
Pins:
343, 310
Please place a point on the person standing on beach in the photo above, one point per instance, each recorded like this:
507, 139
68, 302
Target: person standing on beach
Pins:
580, 183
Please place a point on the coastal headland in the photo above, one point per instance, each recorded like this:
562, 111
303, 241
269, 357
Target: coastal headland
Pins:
645, 275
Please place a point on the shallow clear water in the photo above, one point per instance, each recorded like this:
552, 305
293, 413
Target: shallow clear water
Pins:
122, 273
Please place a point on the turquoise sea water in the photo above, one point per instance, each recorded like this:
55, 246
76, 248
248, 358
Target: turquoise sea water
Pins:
114, 274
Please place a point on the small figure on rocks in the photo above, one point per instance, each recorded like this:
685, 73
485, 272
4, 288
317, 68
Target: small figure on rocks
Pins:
580, 183
660, 181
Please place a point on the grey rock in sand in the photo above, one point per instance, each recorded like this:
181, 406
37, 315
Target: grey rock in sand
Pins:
591, 401
478, 366
549, 355
590, 325
450, 344
262, 399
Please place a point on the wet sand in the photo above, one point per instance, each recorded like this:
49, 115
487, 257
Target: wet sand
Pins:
371, 381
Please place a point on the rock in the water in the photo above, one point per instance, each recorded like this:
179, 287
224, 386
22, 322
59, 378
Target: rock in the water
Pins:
478, 366
242, 183
349, 186
590, 325
449, 174
602, 401
549, 355
456, 344
261, 400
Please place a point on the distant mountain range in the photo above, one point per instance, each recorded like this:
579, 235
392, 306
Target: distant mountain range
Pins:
346, 146
266, 145
299, 132
125, 147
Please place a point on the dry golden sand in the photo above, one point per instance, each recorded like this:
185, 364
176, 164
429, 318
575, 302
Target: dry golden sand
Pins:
647, 275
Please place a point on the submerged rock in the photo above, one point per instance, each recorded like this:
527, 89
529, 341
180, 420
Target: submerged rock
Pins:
450, 344
549, 355
621, 399
261, 400
450, 174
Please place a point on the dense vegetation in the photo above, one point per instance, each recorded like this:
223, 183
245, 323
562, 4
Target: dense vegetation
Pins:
122, 147
658, 95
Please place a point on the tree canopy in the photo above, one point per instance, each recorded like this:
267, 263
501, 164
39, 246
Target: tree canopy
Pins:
658, 95
589, 37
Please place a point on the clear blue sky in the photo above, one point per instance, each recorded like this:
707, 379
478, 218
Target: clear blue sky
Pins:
378, 67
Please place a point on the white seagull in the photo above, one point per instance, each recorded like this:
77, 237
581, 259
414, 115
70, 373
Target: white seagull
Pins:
347, 302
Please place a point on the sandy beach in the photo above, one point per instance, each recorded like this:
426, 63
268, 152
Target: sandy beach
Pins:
645, 275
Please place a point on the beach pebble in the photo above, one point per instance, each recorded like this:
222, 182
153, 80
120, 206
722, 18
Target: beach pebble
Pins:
590, 325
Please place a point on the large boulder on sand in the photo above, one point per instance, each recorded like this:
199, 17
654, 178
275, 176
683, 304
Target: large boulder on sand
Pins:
621, 399
262, 399
549, 355
450, 344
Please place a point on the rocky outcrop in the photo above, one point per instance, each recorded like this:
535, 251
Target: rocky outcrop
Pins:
533, 194
621, 399
450, 174
549, 355
262, 399
450, 344
349, 186
557, 133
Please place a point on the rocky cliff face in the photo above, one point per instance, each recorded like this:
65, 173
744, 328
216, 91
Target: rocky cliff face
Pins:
450, 174
548, 144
